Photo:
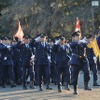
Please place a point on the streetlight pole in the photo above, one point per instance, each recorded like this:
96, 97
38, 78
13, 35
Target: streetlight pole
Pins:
94, 3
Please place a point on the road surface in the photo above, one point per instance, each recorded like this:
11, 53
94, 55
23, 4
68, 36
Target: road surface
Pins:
18, 93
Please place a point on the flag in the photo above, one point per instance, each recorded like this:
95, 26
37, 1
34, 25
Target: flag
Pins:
77, 27
19, 34
95, 45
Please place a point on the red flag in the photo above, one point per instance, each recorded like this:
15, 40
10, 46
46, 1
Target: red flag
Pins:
77, 27
19, 33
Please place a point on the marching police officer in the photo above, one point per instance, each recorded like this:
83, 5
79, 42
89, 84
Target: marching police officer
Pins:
26, 54
61, 51
17, 63
79, 62
7, 63
91, 57
43, 63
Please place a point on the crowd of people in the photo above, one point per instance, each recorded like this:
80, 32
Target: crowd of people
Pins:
41, 62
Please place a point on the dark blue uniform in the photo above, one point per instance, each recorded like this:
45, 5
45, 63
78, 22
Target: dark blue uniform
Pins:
17, 64
79, 62
26, 55
62, 63
7, 64
92, 63
43, 63
2, 47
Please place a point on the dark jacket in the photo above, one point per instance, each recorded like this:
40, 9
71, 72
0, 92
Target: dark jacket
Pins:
61, 54
26, 54
78, 53
6, 55
90, 55
41, 53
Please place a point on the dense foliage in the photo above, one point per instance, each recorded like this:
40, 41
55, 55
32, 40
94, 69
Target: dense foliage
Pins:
49, 16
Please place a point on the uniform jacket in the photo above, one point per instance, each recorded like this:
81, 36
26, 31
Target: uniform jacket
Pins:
90, 55
78, 50
41, 52
26, 54
6, 55
61, 54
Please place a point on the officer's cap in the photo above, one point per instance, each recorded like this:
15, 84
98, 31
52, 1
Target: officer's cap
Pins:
88, 36
5, 38
75, 34
42, 35
27, 36
62, 38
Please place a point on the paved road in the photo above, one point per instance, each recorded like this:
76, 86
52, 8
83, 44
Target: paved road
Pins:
19, 94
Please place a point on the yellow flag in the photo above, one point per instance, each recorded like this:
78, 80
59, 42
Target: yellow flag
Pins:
95, 46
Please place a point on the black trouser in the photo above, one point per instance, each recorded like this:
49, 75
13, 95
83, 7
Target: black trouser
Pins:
93, 68
36, 72
75, 72
5, 69
17, 71
66, 75
26, 70
53, 74
44, 69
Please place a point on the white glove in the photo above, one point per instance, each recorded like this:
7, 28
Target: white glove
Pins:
49, 58
8, 46
95, 59
33, 56
37, 39
57, 42
82, 41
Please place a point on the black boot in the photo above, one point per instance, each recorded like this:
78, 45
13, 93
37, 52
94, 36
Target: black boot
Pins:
8, 82
12, 84
48, 87
40, 88
96, 84
59, 88
86, 87
24, 86
3, 85
67, 87
52, 81
75, 90
32, 85
19, 82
